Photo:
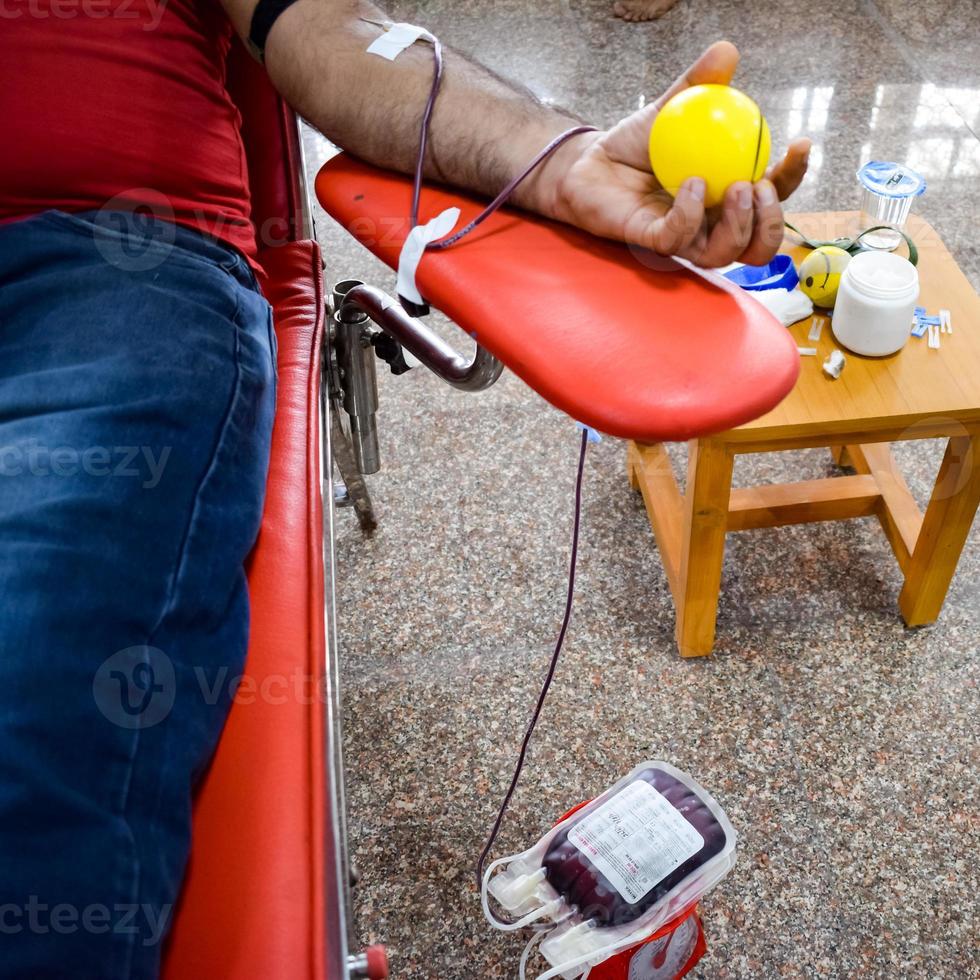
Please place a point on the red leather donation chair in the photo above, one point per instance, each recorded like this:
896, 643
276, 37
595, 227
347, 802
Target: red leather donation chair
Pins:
266, 892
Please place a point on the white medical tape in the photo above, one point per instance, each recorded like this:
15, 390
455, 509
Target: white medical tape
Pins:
834, 364
394, 41
414, 248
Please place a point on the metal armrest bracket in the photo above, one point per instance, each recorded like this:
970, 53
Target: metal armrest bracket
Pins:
356, 345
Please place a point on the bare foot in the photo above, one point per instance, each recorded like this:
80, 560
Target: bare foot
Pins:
642, 9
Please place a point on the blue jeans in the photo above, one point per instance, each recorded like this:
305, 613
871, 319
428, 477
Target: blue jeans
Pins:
137, 390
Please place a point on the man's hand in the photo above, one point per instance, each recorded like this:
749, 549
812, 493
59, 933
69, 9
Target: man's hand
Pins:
602, 182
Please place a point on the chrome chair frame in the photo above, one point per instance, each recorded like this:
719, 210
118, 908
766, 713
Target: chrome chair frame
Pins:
334, 448
356, 310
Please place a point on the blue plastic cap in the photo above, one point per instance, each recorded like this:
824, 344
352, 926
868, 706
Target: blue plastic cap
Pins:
593, 436
891, 179
778, 274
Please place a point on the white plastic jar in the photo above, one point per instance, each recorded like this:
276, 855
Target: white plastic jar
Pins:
875, 302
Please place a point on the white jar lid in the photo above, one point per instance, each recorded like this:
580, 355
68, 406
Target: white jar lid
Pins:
882, 274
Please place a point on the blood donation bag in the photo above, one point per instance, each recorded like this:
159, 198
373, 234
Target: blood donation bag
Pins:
619, 860
615, 870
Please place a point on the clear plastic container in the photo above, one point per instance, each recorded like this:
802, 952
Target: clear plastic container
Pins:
875, 302
888, 192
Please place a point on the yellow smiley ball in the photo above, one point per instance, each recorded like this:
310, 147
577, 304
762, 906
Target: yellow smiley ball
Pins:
710, 131
820, 274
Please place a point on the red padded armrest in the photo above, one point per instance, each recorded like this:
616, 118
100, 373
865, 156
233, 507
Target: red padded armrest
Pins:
632, 344
253, 905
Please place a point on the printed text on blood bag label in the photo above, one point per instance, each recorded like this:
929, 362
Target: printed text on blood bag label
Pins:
636, 839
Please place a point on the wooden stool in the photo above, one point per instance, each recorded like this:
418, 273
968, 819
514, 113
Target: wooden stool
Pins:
916, 394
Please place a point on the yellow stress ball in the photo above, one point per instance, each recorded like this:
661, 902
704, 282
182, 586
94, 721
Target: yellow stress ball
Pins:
820, 274
711, 131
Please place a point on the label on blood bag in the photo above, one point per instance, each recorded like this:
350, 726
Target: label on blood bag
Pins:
636, 839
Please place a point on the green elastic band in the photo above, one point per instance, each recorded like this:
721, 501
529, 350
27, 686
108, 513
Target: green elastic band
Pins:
853, 245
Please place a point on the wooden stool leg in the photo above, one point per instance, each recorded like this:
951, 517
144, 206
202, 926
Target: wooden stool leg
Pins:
945, 527
632, 462
709, 485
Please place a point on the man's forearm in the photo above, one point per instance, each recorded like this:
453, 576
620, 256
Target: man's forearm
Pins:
483, 130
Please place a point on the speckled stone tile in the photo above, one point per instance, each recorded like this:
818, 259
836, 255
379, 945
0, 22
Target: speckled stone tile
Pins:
890, 765
843, 745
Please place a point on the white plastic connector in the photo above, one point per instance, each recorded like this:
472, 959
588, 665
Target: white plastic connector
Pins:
569, 950
521, 891
574, 950
517, 892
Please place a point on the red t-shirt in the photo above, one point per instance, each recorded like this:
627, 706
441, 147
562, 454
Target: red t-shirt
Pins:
124, 100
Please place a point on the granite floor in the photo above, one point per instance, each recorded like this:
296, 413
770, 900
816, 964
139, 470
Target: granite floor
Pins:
843, 746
